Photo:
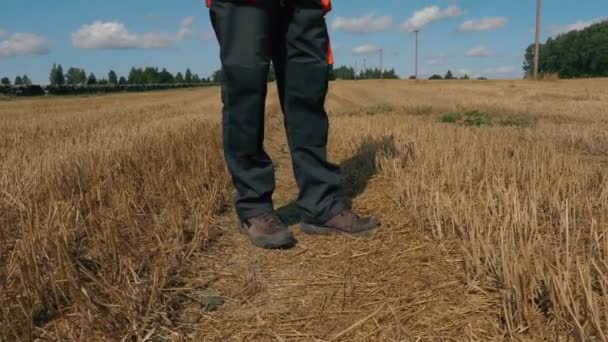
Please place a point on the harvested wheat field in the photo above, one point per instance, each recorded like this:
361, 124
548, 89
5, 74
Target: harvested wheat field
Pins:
117, 224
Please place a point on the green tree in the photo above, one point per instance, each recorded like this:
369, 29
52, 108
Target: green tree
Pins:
372, 73
56, 76
529, 60
52, 74
26, 80
345, 73
112, 77
196, 79
148, 75
179, 78
5, 81
217, 76
60, 77
122, 80
390, 74
578, 53
271, 75
165, 77
18, 81
188, 77
332, 73
151, 75
435, 77
75, 76
136, 76
92, 80
449, 75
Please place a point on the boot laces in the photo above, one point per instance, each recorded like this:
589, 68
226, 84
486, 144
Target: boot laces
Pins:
272, 221
350, 216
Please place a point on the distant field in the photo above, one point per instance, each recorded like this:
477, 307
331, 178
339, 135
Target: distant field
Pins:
116, 222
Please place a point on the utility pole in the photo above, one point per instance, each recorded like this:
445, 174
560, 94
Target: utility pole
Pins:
537, 44
417, 31
381, 66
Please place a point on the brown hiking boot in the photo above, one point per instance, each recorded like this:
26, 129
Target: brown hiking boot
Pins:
267, 231
346, 223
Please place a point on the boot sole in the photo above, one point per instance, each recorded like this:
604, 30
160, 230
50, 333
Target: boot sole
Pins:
269, 243
312, 229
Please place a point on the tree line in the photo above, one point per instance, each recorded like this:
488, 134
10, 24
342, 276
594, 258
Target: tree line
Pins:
146, 75
342, 73
153, 75
19, 81
136, 76
449, 76
76, 81
575, 54
349, 73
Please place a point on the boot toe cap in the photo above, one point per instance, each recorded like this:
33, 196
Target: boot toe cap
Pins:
282, 239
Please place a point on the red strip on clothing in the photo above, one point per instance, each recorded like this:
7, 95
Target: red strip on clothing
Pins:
326, 5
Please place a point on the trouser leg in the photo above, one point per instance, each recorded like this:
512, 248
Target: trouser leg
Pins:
301, 65
244, 34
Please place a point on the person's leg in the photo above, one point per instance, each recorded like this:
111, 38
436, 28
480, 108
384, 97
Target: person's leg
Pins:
279, 59
244, 33
304, 81
303, 78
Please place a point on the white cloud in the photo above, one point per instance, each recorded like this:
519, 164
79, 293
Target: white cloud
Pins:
185, 28
156, 40
115, 35
428, 15
483, 24
366, 49
3, 33
20, 44
479, 51
577, 26
366, 24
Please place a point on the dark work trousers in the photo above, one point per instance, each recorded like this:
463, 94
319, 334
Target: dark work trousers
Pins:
293, 35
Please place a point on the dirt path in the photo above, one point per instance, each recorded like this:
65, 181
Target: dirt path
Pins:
397, 285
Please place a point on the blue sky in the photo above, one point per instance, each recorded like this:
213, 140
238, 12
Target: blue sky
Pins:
479, 37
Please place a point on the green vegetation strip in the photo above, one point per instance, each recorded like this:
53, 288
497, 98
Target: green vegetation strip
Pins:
478, 118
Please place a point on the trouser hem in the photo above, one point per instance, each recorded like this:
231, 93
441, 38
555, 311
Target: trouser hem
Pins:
326, 214
249, 213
